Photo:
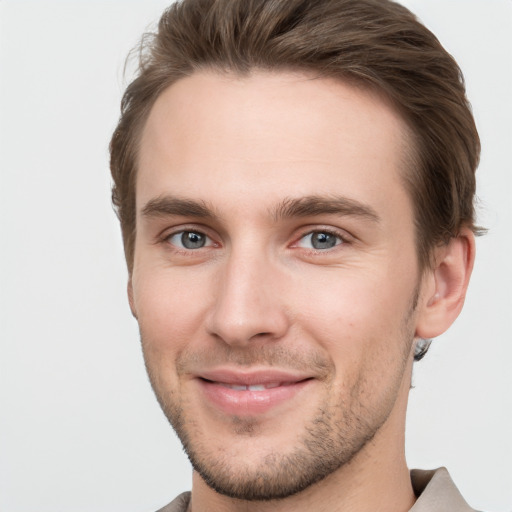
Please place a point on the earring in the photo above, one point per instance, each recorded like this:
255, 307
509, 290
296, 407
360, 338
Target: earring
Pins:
421, 348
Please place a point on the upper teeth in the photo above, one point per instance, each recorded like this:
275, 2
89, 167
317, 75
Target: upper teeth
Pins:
255, 387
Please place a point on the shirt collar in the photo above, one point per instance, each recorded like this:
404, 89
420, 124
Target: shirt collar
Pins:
436, 492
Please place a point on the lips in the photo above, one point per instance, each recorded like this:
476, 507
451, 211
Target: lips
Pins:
254, 387
252, 393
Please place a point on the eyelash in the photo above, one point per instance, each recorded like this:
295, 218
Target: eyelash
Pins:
341, 239
167, 237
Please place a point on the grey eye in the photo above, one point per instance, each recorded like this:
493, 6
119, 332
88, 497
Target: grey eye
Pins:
189, 240
192, 240
323, 240
320, 240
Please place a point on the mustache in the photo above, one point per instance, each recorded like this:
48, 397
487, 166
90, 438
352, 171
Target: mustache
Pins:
191, 361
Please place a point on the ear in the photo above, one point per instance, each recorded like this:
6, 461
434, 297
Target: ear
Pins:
444, 287
129, 289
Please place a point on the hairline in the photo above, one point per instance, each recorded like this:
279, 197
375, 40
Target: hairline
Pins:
410, 157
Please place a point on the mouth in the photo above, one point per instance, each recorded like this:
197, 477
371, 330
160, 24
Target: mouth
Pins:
253, 387
251, 394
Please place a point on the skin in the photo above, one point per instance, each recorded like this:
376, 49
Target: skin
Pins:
236, 160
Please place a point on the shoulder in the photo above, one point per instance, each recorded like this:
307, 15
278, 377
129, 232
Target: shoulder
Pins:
179, 504
435, 490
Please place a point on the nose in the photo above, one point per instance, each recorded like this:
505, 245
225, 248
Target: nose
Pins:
248, 305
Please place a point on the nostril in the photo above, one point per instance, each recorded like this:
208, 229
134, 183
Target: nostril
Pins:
239, 316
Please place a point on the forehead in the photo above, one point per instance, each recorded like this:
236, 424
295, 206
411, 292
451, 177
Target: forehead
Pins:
222, 136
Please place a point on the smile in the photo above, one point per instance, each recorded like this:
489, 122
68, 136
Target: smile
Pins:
254, 387
251, 394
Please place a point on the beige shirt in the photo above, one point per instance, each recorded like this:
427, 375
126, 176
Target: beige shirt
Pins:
435, 490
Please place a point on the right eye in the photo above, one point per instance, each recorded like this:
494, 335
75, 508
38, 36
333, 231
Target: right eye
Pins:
189, 240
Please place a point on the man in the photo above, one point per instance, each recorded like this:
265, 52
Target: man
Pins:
295, 183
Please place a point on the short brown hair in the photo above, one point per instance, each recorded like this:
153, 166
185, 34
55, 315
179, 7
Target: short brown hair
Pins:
377, 43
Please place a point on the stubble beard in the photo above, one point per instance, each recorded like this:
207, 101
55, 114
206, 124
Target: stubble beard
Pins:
337, 432
324, 448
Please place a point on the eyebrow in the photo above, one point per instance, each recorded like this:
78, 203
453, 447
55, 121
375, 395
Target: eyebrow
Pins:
171, 205
309, 206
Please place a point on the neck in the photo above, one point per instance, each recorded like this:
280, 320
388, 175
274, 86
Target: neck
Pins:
383, 489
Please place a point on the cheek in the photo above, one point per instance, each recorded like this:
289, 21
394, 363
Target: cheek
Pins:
359, 321
351, 302
169, 308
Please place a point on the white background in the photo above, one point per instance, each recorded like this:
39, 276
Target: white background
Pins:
80, 430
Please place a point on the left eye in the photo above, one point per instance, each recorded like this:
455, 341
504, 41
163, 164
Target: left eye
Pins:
320, 240
189, 240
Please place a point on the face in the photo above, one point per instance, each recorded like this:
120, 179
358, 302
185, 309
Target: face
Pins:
275, 275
